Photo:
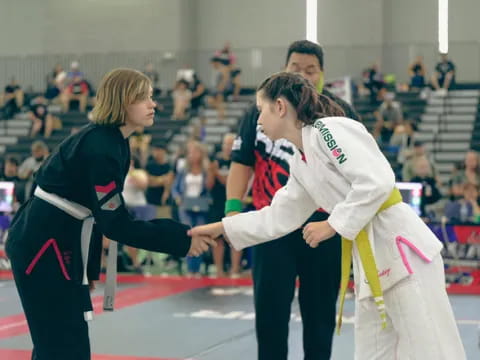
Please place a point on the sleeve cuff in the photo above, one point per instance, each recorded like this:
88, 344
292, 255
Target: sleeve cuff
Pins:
341, 228
233, 238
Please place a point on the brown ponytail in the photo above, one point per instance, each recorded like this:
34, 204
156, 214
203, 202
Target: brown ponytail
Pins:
303, 96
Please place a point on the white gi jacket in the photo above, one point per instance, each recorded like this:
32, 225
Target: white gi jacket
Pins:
346, 174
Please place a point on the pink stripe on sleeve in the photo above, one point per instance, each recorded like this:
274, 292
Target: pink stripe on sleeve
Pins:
106, 188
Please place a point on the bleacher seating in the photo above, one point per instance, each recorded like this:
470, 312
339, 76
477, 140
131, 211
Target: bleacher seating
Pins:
14, 133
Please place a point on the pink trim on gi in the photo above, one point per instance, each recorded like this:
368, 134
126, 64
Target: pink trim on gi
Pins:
399, 240
44, 248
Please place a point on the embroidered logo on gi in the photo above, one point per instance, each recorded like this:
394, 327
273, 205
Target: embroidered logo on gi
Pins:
112, 204
385, 272
103, 191
382, 273
330, 142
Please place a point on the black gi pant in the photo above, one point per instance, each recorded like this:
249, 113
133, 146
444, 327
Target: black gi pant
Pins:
276, 265
52, 297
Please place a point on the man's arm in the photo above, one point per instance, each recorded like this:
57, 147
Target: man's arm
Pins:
243, 156
237, 180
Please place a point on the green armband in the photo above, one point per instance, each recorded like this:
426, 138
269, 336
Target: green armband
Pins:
233, 205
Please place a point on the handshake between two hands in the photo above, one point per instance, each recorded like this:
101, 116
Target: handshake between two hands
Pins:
204, 236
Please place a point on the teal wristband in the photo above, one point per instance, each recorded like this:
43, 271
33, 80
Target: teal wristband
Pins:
233, 205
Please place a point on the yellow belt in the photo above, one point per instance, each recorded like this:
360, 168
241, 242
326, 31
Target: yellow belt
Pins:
368, 263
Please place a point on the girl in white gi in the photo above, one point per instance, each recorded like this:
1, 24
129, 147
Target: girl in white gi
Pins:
402, 308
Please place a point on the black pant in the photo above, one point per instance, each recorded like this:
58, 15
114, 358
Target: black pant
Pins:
52, 298
54, 310
276, 265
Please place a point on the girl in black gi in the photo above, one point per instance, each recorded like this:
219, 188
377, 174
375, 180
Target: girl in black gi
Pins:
54, 234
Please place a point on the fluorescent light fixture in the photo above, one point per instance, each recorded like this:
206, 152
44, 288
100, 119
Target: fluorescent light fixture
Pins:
443, 26
311, 17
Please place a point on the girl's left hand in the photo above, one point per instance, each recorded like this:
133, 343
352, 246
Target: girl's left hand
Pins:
316, 232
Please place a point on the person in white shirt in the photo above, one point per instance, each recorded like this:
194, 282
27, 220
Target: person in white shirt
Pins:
136, 183
191, 193
402, 308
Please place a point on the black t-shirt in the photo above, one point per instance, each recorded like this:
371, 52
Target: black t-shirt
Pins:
444, 67
430, 194
10, 89
35, 109
235, 72
270, 160
218, 191
9, 178
417, 69
154, 193
194, 87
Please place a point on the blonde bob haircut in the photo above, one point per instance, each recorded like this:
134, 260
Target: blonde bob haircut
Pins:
118, 89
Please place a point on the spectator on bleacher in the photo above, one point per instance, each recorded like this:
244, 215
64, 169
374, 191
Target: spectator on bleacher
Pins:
77, 90
408, 170
223, 85
403, 138
136, 184
31, 164
42, 120
226, 51
373, 81
182, 97
417, 73
466, 211
12, 99
470, 173
444, 76
154, 76
190, 192
423, 174
199, 91
140, 145
199, 130
10, 173
180, 160
160, 179
74, 73
220, 167
10, 169
55, 83
179, 164
236, 82
466, 208
388, 116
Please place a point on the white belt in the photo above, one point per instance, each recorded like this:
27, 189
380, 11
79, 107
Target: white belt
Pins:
85, 215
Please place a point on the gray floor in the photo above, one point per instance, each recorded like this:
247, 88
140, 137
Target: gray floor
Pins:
212, 323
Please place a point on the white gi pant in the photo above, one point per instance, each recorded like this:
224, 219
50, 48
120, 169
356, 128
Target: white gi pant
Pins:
420, 320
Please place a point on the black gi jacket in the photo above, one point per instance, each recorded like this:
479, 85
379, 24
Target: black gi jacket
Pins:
88, 168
